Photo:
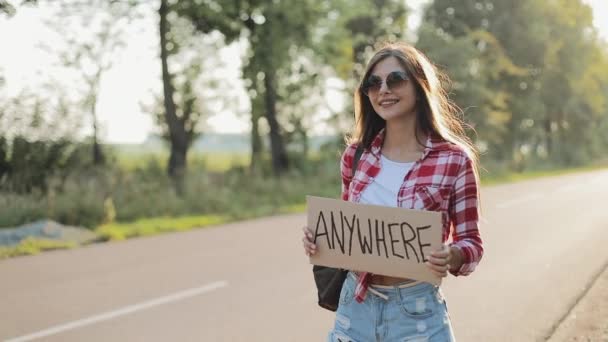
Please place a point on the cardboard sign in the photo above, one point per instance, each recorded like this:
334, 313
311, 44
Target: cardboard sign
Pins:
388, 241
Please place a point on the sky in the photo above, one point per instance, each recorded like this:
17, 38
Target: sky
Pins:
135, 75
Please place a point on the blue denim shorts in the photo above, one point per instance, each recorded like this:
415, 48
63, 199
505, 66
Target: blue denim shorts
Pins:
413, 314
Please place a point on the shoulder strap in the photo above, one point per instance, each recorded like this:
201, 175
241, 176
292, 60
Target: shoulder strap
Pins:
358, 154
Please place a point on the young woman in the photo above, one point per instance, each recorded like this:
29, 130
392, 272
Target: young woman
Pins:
415, 155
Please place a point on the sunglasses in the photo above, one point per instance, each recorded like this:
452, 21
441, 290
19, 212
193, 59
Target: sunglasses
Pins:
394, 80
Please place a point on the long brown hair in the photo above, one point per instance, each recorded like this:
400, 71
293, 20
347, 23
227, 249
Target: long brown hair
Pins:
435, 113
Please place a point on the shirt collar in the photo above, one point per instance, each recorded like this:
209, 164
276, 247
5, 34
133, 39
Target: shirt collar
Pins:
433, 143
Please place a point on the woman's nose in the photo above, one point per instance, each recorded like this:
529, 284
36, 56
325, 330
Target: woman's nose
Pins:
383, 88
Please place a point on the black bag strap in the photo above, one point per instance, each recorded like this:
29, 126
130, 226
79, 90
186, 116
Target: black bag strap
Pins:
358, 154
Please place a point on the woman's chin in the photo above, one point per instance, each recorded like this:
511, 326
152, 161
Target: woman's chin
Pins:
392, 115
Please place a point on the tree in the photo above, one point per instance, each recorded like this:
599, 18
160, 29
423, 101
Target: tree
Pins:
534, 58
301, 95
8, 8
346, 36
272, 30
197, 85
177, 130
37, 138
93, 33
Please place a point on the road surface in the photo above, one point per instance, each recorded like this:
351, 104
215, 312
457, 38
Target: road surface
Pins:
545, 241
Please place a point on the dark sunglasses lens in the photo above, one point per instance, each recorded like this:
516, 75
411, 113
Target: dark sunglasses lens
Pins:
372, 85
396, 79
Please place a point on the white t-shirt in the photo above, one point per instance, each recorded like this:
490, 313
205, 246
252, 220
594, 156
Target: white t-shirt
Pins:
384, 189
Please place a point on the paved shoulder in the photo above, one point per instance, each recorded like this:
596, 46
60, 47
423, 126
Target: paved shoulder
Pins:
588, 320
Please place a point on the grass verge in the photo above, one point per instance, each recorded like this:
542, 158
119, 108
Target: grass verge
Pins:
518, 177
31, 246
158, 225
152, 226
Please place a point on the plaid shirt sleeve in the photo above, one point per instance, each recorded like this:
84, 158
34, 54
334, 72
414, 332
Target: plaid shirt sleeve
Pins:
346, 163
464, 215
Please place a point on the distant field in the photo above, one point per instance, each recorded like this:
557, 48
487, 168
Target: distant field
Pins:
211, 161
214, 152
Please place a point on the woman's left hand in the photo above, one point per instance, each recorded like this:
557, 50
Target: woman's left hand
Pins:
439, 261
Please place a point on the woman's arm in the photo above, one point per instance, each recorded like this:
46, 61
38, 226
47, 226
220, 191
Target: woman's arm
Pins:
466, 249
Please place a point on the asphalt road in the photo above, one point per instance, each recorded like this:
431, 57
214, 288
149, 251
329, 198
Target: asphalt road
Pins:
545, 240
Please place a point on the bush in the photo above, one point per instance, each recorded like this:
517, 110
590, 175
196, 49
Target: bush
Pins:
26, 166
83, 197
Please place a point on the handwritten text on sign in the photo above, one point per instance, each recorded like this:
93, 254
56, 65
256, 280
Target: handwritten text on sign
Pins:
388, 241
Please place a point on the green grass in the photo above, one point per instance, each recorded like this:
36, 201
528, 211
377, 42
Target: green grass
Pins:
158, 225
294, 208
164, 224
152, 226
30, 246
220, 162
210, 161
232, 196
489, 179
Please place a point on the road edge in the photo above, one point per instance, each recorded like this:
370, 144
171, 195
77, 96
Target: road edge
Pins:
564, 328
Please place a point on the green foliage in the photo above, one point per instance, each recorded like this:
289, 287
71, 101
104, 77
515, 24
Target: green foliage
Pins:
91, 198
346, 36
278, 33
8, 7
350, 29
144, 227
145, 203
32, 246
528, 81
109, 211
194, 80
26, 166
531, 76
16, 209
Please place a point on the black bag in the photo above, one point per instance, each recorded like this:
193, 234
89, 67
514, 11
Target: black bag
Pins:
329, 280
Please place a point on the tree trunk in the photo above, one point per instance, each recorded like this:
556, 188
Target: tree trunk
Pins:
98, 158
177, 164
256, 141
177, 133
93, 83
279, 155
305, 143
548, 140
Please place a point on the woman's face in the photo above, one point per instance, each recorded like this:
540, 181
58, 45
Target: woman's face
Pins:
390, 90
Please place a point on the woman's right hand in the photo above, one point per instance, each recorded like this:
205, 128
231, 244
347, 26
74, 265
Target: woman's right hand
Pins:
309, 247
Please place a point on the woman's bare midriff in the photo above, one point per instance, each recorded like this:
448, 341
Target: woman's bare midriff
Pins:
377, 279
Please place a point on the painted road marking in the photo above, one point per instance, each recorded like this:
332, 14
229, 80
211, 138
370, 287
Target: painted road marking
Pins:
121, 312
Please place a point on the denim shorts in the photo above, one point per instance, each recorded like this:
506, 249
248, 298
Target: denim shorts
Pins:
413, 314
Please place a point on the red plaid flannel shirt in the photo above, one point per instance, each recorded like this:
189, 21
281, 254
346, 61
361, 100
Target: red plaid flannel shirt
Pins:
442, 180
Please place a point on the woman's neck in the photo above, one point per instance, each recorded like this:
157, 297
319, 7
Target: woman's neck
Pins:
400, 142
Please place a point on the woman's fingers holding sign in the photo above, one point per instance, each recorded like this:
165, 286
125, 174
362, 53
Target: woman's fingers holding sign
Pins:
309, 247
439, 261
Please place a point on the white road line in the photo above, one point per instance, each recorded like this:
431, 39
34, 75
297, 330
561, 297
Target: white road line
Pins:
516, 201
120, 312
